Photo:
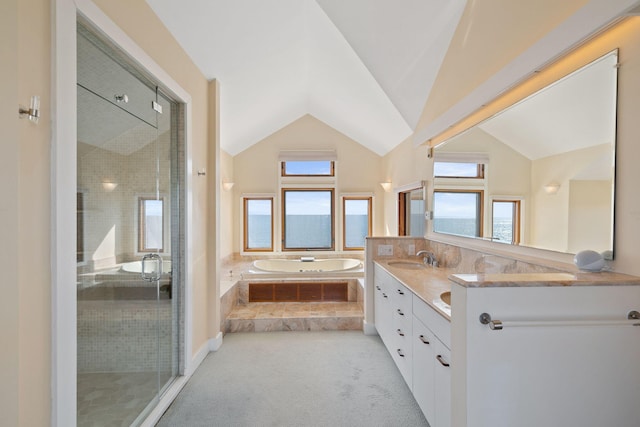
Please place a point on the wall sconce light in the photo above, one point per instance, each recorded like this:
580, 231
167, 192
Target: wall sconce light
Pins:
109, 186
386, 186
227, 186
33, 112
551, 188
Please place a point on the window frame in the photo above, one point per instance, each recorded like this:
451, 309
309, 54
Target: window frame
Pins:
141, 246
283, 214
245, 224
479, 209
284, 174
516, 217
369, 199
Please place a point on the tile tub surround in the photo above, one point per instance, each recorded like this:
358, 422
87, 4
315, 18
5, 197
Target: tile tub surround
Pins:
295, 316
238, 315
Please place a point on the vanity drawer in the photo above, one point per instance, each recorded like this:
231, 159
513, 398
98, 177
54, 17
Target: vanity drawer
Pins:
440, 326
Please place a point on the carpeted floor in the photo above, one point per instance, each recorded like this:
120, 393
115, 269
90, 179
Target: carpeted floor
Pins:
329, 378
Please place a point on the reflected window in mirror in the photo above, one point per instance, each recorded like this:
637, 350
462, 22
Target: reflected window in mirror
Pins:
458, 170
505, 221
411, 208
458, 212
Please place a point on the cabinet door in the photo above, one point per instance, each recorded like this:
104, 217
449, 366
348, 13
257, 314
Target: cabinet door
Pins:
443, 385
424, 359
382, 311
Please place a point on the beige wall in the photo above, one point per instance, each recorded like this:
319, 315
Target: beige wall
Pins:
551, 213
403, 166
256, 169
227, 201
25, 214
490, 35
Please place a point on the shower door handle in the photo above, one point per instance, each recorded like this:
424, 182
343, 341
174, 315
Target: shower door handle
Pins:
154, 275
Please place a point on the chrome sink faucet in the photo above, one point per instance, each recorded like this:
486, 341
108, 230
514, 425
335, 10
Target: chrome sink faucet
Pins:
429, 258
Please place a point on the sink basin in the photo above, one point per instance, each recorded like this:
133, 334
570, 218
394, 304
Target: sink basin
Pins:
443, 302
408, 265
446, 297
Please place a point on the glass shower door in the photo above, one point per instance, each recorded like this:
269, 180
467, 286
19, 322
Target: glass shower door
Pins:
127, 198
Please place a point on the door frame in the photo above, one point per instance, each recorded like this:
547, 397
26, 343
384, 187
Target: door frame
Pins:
63, 188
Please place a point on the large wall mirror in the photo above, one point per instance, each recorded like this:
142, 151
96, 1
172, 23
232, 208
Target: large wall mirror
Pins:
539, 173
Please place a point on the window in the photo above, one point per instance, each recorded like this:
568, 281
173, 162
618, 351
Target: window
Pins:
308, 168
150, 224
411, 209
458, 212
458, 170
307, 219
505, 223
258, 224
356, 224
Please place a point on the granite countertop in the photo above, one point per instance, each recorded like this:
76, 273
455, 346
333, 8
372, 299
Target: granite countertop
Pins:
427, 284
601, 278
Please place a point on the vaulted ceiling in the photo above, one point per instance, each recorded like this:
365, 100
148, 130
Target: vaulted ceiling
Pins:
364, 67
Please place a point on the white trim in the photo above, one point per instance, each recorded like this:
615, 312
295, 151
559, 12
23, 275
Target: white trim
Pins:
214, 344
369, 328
586, 22
411, 186
63, 178
307, 155
455, 157
63, 188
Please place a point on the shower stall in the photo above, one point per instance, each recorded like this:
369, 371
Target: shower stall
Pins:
130, 157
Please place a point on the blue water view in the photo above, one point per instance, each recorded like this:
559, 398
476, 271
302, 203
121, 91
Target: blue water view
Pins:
306, 231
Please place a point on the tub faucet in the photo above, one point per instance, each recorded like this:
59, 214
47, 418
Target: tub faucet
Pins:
429, 258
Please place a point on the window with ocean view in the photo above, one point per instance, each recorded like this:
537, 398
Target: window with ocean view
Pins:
308, 219
356, 223
258, 224
505, 223
308, 168
458, 212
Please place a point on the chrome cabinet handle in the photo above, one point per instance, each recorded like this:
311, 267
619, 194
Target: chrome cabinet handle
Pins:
400, 312
400, 353
377, 287
384, 295
400, 332
442, 362
423, 339
400, 292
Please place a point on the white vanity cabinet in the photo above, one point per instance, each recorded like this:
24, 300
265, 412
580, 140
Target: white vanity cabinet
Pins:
431, 364
393, 305
382, 304
401, 301
418, 339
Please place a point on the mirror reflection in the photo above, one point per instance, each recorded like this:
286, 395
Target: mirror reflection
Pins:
540, 173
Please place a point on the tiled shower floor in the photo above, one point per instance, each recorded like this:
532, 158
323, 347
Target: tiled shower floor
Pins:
114, 399
294, 316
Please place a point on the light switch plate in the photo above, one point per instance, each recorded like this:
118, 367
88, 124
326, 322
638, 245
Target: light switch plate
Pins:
385, 250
